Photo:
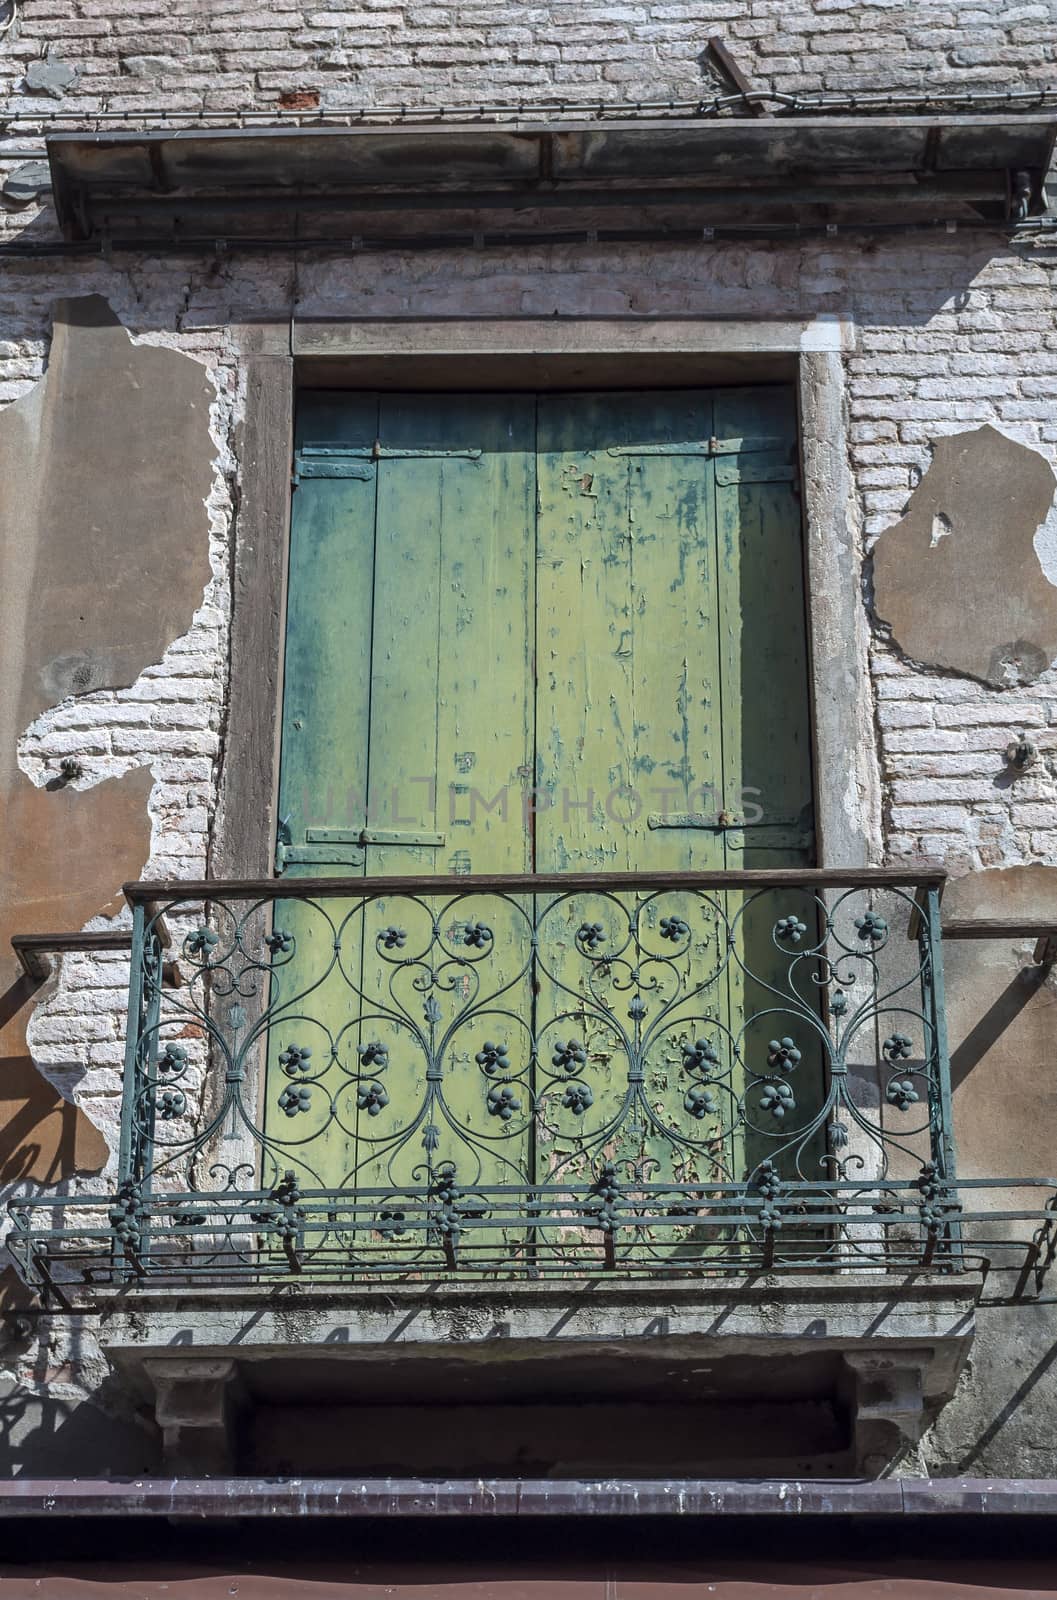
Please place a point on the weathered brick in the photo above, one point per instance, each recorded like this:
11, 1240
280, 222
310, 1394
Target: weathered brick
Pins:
951, 332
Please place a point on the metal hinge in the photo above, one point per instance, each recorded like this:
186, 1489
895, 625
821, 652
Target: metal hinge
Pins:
358, 461
313, 463
344, 847
321, 850
705, 447
781, 832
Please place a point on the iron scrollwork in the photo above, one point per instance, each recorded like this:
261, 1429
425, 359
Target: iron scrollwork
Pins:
509, 1083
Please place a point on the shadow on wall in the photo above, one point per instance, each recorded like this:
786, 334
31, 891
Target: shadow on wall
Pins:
48, 1420
103, 560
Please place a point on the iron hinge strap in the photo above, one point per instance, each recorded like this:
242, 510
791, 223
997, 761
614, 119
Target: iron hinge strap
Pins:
358, 461
720, 821
706, 447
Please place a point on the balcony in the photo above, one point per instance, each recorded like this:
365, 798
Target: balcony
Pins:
684, 1140
344, 1081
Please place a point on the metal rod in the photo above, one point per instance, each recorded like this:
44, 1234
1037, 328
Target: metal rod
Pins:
212, 244
30, 948
943, 1059
171, 890
230, 1498
134, 1022
789, 105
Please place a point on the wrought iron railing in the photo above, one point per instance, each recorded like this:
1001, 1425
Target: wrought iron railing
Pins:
662, 1075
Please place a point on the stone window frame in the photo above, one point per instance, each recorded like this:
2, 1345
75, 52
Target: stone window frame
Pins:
539, 354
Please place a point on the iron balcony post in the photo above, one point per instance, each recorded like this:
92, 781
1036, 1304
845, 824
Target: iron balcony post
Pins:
135, 1153
133, 1032
932, 974
124, 1208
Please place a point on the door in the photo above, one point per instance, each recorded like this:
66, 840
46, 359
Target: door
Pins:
555, 633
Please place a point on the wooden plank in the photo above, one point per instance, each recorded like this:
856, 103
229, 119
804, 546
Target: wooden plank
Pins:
323, 772
767, 772
32, 948
322, 784
625, 557
640, 338
677, 709
452, 714
642, 624
451, 736
583, 637
731, 71
1000, 928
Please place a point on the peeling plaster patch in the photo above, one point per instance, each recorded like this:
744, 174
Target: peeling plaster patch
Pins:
81, 847
959, 578
107, 527
114, 490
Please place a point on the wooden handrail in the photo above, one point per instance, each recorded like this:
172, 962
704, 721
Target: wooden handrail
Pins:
175, 889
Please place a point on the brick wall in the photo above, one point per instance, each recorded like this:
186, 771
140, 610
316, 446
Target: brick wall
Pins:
950, 334
225, 55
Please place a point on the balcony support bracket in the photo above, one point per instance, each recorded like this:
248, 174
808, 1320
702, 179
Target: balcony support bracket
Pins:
886, 1404
197, 1403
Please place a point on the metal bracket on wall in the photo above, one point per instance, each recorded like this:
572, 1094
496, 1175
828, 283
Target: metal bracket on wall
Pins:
1044, 934
32, 949
727, 69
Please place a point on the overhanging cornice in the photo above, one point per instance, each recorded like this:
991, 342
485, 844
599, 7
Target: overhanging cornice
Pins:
414, 179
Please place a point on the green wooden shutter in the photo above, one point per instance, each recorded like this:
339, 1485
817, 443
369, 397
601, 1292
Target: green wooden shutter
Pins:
596, 596
408, 709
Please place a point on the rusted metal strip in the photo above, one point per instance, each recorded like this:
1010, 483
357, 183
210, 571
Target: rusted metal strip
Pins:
732, 74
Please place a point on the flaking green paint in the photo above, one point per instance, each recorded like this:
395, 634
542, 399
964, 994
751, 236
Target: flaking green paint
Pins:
600, 593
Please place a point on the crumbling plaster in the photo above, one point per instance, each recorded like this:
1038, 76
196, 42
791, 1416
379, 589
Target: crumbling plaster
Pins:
105, 545
950, 320
954, 333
